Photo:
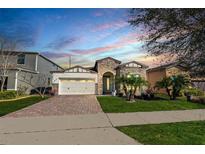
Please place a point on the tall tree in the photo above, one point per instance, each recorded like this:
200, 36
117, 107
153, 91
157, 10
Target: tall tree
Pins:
176, 32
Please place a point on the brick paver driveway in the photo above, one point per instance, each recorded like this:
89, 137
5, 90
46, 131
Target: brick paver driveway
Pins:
61, 105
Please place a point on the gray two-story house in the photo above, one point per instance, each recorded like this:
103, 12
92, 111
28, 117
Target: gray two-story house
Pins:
27, 67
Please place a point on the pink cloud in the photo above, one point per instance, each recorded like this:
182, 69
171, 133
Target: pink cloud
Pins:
103, 12
123, 41
111, 25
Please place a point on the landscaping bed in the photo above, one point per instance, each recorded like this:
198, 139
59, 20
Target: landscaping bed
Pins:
14, 105
181, 133
111, 104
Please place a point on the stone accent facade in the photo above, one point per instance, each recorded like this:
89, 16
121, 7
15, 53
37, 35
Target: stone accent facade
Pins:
133, 70
113, 66
103, 66
130, 70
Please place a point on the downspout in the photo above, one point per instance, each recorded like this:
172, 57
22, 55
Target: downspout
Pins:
36, 63
16, 81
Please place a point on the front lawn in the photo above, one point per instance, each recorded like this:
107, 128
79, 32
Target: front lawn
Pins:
173, 133
111, 104
14, 105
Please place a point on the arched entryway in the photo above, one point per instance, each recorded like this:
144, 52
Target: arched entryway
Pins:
108, 83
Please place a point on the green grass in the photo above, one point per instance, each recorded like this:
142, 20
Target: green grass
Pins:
111, 104
190, 133
11, 106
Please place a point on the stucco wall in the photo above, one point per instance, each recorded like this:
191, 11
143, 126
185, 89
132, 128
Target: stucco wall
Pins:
45, 66
155, 76
30, 60
11, 80
174, 71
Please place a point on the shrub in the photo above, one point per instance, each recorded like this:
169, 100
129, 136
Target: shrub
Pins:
192, 92
200, 100
8, 94
22, 90
120, 94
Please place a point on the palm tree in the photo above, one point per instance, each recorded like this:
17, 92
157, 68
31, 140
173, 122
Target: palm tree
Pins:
173, 84
139, 83
165, 83
130, 84
178, 83
123, 80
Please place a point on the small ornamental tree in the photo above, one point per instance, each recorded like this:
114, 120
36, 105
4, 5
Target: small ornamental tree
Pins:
39, 82
166, 84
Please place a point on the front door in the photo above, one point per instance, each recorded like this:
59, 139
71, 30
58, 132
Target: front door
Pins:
107, 85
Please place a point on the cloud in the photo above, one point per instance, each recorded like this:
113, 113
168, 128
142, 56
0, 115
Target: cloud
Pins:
104, 12
62, 42
55, 55
131, 38
110, 25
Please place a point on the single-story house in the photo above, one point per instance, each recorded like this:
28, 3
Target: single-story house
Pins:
158, 73
98, 80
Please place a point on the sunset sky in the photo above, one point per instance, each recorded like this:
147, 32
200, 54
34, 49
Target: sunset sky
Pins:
85, 34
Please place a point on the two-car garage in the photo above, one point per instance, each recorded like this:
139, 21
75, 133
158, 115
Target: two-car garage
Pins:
75, 81
76, 86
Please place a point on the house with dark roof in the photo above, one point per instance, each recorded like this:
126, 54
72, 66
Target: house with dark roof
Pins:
100, 79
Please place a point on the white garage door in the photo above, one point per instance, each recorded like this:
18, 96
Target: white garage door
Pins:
76, 86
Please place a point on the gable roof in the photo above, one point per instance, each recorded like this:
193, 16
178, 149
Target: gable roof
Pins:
99, 60
110, 59
165, 66
138, 63
15, 53
77, 66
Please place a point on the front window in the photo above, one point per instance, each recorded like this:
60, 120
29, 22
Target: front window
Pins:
136, 75
21, 59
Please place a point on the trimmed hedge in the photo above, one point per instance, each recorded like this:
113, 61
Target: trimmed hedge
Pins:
10, 94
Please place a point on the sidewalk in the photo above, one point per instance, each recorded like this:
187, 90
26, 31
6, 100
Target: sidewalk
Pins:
70, 129
85, 129
156, 117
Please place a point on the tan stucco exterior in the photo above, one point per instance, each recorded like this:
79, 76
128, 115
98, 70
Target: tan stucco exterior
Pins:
158, 74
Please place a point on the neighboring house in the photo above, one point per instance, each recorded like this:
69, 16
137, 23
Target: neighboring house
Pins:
199, 82
29, 65
99, 79
157, 73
